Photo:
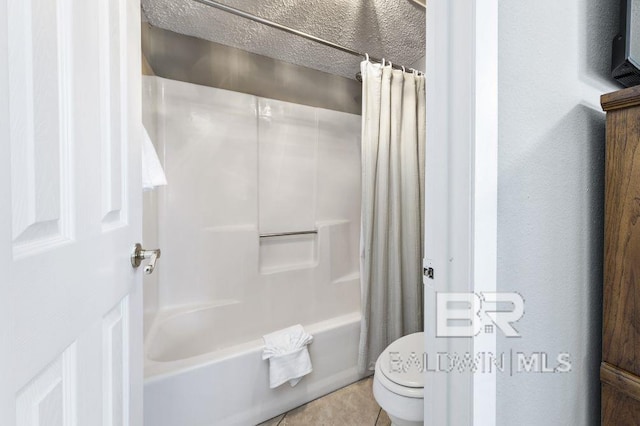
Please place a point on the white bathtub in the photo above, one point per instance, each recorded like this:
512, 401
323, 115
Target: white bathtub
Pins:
230, 386
240, 169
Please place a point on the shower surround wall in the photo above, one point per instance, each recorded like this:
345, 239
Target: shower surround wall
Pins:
239, 166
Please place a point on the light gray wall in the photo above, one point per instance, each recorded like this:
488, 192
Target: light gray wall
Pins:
179, 57
553, 66
420, 64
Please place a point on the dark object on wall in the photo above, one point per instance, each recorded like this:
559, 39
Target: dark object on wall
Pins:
620, 367
625, 57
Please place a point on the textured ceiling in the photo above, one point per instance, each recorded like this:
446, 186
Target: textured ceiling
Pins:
392, 29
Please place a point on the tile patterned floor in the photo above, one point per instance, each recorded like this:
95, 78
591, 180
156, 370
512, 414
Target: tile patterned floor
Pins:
353, 405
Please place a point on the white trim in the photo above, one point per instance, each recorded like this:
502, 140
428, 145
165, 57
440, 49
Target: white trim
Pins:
485, 178
461, 192
436, 194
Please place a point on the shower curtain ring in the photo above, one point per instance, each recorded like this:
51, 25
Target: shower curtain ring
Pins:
366, 57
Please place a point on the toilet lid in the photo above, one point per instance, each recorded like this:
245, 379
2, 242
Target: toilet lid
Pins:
402, 362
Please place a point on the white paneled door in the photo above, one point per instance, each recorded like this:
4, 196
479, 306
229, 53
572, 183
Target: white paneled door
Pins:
70, 212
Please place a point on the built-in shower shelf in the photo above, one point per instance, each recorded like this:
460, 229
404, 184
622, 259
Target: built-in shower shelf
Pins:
347, 278
279, 270
288, 252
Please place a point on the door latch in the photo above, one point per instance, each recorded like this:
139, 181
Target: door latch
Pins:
428, 272
139, 254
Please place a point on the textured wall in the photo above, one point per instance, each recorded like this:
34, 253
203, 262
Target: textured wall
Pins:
553, 66
179, 57
382, 28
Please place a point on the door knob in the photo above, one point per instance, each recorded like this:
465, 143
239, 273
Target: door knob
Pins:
139, 254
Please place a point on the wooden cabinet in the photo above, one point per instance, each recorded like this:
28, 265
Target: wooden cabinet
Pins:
620, 368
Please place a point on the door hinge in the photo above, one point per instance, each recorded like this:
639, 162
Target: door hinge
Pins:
428, 272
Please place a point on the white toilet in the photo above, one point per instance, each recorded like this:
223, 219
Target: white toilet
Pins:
398, 382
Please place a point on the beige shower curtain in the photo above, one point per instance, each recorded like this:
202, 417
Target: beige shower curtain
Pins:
393, 140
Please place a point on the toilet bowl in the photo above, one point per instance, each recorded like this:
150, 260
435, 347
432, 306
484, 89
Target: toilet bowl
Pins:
398, 381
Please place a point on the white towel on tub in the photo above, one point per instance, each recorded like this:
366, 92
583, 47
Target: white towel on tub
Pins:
288, 355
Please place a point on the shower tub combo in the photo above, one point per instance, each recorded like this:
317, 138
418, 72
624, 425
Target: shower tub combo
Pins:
259, 228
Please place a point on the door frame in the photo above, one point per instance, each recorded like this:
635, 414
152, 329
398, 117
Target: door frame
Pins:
461, 192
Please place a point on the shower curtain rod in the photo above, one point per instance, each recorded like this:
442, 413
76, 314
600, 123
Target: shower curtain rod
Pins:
258, 19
